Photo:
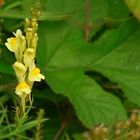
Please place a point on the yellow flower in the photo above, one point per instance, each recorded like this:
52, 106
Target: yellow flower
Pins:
35, 75
21, 41
29, 57
23, 88
17, 44
20, 71
12, 44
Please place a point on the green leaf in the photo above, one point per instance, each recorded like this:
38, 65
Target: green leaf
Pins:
117, 9
65, 58
95, 11
92, 104
134, 6
5, 68
122, 66
56, 36
62, 5
29, 125
78, 137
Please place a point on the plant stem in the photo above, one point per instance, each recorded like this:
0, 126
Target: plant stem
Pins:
87, 23
63, 126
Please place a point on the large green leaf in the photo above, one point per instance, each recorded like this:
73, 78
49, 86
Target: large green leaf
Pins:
122, 65
62, 5
66, 59
80, 13
92, 104
117, 9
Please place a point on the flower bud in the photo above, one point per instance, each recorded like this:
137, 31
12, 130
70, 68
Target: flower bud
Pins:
34, 24
20, 71
34, 42
27, 23
28, 57
29, 36
21, 45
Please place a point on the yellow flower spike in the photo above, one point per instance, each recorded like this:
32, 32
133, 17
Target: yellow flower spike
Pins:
26, 71
20, 71
35, 75
23, 88
12, 44
29, 57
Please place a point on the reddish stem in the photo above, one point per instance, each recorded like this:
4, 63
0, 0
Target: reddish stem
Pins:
87, 22
63, 126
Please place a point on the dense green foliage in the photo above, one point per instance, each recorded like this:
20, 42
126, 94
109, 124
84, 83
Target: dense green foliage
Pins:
89, 52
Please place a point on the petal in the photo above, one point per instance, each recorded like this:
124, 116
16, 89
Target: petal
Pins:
19, 66
42, 76
12, 44
9, 46
23, 88
32, 66
18, 33
20, 70
29, 56
35, 75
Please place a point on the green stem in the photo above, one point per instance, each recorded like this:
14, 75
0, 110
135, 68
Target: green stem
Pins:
23, 103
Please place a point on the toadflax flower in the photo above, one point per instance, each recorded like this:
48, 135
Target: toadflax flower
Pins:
17, 44
35, 75
20, 71
23, 88
11, 44
29, 56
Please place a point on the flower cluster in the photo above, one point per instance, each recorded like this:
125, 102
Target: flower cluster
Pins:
24, 48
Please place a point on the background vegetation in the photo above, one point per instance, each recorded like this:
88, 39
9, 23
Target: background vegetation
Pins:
89, 51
